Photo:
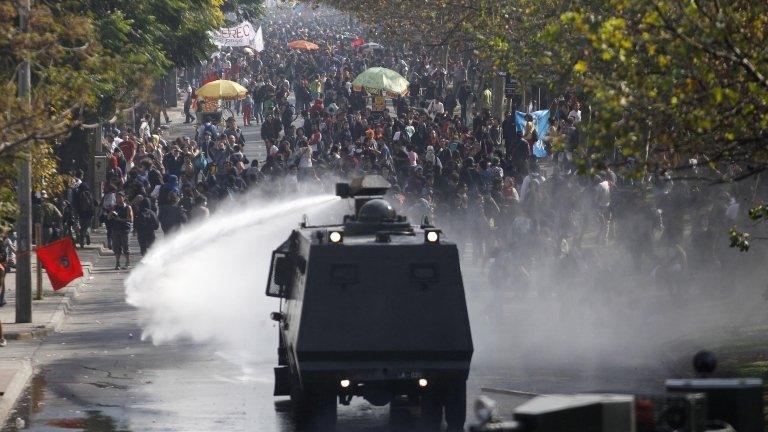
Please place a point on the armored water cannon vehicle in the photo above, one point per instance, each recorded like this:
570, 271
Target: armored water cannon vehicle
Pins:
373, 307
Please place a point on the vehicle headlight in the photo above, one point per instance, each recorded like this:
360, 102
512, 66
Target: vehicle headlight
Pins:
432, 236
335, 236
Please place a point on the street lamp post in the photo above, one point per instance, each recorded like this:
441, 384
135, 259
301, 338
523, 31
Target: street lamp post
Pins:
24, 192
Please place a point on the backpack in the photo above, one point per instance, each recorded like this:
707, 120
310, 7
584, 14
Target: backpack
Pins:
211, 129
200, 162
147, 220
85, 201
289, 112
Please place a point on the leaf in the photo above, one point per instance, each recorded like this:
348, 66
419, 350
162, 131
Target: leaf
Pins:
580, 66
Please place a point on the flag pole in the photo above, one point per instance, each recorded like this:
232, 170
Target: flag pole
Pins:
39, 267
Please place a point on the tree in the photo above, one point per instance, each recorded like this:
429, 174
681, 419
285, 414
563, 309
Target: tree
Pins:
65, 59
673, 83
673, 78
87, 56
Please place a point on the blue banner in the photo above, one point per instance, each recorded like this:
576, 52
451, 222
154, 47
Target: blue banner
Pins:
541, 122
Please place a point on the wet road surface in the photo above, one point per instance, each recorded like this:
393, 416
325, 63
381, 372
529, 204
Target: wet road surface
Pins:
98, 375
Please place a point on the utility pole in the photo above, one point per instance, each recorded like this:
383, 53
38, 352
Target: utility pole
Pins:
24, 224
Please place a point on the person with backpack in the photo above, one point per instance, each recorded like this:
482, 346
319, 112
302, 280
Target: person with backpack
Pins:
50, 218
199, 163
172, 216
287, 117
188, 102
114, 173
121, 219
84, 205
68, 219
233, 130
145, 224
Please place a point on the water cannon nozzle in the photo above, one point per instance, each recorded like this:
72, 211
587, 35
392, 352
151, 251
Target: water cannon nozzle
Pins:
366, 186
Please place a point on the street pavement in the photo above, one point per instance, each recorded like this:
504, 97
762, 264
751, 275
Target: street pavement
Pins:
96, 374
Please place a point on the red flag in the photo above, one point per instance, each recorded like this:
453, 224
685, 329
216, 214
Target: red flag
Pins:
60, 261
357, 42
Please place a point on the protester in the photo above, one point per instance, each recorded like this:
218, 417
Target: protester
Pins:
4, 267
3, 272
8, 247
172, 215
85, 205
121, 220
146, 223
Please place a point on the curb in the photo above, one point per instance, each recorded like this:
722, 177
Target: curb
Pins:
53, 325
24, 369
15, 389
62, 310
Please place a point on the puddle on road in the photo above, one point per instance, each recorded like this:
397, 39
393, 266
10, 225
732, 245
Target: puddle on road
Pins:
94, 422
33, 401
73, 423
30, 403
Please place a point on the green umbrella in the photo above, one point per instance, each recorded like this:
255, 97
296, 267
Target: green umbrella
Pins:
383, 81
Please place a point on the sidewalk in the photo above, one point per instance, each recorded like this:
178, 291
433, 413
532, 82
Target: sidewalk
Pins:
48, 315
17, 359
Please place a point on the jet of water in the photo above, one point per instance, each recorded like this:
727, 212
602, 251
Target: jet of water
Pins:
206, 282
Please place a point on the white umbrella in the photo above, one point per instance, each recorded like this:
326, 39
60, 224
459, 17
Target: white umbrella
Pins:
370, 46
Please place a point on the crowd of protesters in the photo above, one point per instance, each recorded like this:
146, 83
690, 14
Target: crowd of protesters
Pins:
446, 155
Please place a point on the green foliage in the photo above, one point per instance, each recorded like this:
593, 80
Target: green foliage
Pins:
669, 78
739, 239
93, 56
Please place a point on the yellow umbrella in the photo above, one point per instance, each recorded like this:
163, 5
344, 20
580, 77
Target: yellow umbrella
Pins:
303, 45
222, 90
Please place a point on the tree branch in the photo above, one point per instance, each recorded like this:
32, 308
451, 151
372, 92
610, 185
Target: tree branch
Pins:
734, 58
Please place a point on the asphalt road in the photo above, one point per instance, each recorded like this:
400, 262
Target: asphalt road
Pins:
97, 375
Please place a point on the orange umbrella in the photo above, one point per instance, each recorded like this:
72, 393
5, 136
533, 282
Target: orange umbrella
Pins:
303, 45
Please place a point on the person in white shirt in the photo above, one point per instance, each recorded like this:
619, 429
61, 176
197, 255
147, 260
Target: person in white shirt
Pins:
528, 128
575, 113
145, 127
115, 142
534, 175
305, 156
603, 202
271, 148
436, 108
